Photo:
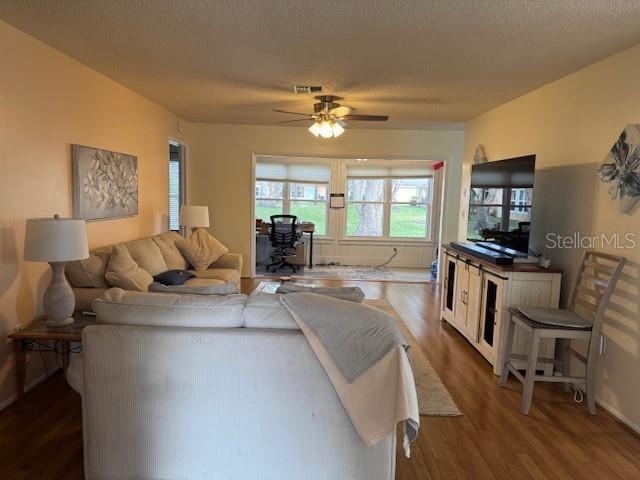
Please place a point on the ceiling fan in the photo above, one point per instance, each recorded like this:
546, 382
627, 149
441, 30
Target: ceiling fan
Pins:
329, 118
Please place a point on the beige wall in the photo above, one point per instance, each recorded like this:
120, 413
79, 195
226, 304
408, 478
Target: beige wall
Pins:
220, 161
570, 125
48, 102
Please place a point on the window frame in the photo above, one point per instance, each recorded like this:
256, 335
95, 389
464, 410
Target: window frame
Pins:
387, 204
287, 199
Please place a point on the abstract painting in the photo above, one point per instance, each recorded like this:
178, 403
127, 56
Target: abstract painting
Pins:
105, 184
621, 169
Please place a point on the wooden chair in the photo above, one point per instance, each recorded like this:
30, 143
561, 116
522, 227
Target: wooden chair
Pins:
593, 287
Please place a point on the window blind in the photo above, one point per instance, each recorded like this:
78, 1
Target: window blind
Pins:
404, 170
293, 172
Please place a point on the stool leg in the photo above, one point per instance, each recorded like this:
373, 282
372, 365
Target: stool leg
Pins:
564, 356
507, 350
590, 380
532, 361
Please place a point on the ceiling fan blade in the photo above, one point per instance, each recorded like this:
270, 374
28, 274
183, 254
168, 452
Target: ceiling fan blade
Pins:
297, 120
291, 113
366, 118
341, 111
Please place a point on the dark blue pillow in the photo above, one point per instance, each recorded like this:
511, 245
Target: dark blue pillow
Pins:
173, 277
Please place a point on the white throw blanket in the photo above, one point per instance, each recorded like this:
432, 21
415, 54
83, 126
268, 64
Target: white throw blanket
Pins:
378, 398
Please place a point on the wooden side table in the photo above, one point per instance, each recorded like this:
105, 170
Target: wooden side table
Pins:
37, 337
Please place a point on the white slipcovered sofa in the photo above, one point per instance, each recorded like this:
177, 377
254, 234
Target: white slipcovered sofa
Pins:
212, 387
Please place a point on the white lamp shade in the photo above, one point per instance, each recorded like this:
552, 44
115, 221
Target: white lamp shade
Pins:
55, 240
194, 216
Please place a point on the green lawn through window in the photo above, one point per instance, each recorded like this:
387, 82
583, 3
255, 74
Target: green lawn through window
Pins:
406, 220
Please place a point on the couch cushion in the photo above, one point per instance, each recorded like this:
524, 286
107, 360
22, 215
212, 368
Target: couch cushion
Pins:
225, 275
124, 272
197, 286
89, 272
264, 310
118, 306
147, 255
167, 244
201, 249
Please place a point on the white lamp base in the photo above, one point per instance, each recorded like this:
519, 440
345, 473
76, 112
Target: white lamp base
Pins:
59, 323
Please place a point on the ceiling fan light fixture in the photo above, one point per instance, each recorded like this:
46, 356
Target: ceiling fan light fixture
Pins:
337, 129
325, 129
315, 129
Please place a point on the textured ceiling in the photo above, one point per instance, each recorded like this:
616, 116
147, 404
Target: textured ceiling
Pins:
418, 61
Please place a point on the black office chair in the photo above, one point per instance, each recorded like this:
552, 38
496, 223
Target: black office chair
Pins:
283, 236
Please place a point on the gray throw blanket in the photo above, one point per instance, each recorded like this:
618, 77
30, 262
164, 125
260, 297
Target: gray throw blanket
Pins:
353, 294
356, 336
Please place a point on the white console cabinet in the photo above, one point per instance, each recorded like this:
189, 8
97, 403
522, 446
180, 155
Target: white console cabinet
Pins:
475, 296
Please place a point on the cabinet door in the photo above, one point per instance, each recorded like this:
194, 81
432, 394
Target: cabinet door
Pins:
449, 288
490, 313
462, 285
473, 300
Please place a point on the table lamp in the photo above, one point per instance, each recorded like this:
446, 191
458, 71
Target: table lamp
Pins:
194, 216
56, 240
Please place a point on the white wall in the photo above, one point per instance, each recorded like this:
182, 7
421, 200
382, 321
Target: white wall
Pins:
570, 125
220, 172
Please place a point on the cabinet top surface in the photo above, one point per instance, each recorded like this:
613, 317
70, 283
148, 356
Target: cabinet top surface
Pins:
514, 267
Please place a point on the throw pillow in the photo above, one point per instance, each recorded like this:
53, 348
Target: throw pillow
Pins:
89, 272
201, 249
147, 255
167, 244
124, 272
173, 277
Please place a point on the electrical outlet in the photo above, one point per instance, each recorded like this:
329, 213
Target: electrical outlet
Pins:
603, 345
19, 327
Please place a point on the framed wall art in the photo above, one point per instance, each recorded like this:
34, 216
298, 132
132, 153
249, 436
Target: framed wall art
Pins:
105, 184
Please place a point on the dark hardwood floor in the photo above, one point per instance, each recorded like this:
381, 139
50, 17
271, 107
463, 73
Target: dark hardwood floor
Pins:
558, 440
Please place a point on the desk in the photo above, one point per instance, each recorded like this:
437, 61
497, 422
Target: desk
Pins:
263, 238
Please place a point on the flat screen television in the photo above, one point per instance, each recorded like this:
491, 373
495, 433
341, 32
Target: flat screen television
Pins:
500, 203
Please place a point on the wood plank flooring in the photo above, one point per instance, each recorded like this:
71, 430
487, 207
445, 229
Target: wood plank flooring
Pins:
492, 440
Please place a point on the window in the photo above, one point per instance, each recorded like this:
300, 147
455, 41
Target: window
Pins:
389, 207
176, 185
410, 207
365, 211
498, 209
309, 204
289, 186
307, 201
269, 199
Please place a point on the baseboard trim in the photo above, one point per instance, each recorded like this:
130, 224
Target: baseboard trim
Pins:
12, 398
619, 416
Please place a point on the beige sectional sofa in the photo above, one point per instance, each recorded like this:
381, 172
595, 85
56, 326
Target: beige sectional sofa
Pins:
155, 255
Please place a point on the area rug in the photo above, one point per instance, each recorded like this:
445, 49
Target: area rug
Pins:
433, 397
376, 274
